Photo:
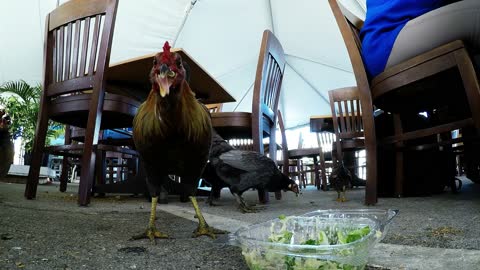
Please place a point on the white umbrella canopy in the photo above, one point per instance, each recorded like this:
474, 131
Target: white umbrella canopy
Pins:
224, 36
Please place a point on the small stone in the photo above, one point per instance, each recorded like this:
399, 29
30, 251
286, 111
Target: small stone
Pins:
16, 248
133, 267
6, 236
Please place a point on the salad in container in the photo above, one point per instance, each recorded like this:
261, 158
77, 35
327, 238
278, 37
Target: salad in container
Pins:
323, 239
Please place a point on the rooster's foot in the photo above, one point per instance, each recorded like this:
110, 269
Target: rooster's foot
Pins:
341, 200
208, 231
245, 208
151, 233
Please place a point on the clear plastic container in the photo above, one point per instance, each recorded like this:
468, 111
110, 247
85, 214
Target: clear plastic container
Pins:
311, 241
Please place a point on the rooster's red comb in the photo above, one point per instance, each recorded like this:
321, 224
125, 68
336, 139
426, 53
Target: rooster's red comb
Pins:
166, 56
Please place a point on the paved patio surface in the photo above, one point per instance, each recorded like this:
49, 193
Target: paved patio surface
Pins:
52, 232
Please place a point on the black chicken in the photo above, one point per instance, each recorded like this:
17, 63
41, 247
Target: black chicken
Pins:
241, 170
172, 133
340, 179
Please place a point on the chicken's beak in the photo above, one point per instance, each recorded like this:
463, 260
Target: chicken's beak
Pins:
162, 81
163, 84
294, 188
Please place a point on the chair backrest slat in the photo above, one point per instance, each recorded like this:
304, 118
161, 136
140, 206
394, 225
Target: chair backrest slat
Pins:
348, 118
52, 44
68, 51
60, 49
93, 53
354, 118
75, 49
83, 54
341, 116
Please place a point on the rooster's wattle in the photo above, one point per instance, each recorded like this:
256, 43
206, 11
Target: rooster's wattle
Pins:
172, 133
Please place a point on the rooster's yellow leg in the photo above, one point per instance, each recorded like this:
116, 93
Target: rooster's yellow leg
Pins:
338, 196
151, 232
203, 228
343, 199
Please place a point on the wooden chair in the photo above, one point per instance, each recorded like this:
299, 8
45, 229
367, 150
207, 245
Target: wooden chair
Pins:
78, 39
325, 141
298, 156
107, 163
261, 122
416, 85
349, 126
292, 163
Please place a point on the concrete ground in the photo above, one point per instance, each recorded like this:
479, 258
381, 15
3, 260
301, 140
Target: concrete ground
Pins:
52, 232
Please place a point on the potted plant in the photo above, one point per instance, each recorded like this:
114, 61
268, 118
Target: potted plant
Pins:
22, 102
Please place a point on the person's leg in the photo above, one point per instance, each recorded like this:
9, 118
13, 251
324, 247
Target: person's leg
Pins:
460, 20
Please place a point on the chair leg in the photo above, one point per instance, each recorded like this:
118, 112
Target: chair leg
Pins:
371, 153
100, 169
91, 139
86, 177
399, 164
37, 153
371, 184
65, 166
317, 173
64, 175
323, 168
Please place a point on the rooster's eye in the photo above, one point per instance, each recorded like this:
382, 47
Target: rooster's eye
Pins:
171, 74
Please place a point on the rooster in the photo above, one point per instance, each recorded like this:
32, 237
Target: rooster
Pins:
172, 133
241, 170
340, 179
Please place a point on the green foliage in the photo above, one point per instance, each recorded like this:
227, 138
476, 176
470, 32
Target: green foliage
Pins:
23, 104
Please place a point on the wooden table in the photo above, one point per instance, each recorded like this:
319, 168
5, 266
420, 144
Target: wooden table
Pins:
132, 77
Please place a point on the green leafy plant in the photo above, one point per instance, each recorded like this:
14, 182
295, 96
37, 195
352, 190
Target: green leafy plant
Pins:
22, 102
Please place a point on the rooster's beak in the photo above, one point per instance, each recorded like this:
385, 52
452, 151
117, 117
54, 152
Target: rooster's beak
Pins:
162, 81
163, 84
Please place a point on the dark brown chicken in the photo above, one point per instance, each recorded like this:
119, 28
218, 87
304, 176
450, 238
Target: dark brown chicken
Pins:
6, 145
172, 133
340, 179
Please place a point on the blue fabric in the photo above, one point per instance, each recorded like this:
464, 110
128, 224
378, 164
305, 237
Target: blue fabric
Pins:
384, 20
